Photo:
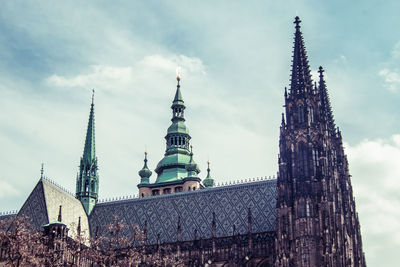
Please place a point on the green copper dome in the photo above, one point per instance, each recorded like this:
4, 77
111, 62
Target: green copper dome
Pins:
177, 155
178, 127
208, 182
145, 173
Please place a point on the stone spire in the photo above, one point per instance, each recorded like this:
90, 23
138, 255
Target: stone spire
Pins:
326, 110
87, 184
208, 182
301, 78
313, 184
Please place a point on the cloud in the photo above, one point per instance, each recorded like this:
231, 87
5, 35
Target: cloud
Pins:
392, 78
375, 168
396, 50
7, 189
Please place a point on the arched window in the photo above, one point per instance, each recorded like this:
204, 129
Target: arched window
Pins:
303, 160
315, 159
310, 115
300, 113
93, 185
308, 210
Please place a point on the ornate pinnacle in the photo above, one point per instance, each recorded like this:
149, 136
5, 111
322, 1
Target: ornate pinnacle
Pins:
297, 22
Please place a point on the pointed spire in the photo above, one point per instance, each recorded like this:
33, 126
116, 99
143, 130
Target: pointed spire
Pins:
178, 95
325, 102
59, 219
283, 119
42, 171
208, 181
145, 173
214, 225
249, 221
78, 230
89, 153
301, 77
192, 167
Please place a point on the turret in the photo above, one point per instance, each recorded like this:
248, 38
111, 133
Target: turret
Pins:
87, 184
145, 173
208, 181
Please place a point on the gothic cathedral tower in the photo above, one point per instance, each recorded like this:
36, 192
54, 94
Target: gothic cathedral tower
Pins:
87, 182
317, 224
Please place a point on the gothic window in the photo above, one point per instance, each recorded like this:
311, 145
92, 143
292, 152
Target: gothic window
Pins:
302, 210
334, 155
310, 115
92, 185
315, 159
303, 160
86, 185
300, 114
176, 140
308, 210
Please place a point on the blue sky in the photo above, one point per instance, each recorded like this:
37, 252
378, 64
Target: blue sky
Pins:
235, 59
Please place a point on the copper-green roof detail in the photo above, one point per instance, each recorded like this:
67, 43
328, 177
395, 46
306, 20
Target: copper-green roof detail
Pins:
89, 152
145, 173
208, 182
178, 96
173, 166
178, 127
87, 183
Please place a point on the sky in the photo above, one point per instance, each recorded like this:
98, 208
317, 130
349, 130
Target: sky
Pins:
235, 58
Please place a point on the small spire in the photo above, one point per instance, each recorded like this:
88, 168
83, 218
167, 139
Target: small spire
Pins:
92, 96
297, 22
89, 152
300, 77
283, 119
42, 171
325, 102
59, 215
145, 173
78, 230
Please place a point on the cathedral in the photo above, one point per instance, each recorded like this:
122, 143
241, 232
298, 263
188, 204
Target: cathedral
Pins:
306, 216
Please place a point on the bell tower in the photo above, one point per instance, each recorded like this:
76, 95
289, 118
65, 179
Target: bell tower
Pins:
314, 189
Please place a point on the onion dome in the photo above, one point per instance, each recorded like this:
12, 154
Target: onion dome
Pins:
192, 167
145, 173
208, 182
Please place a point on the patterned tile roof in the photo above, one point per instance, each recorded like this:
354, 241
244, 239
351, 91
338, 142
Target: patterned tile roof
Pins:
42, 206
230, 204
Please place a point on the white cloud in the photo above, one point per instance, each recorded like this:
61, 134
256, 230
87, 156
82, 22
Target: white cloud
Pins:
97, 75
7, 189
392, 78
375, 168
396, 50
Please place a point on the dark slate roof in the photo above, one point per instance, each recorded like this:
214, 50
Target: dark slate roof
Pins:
42, 206
195, 208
